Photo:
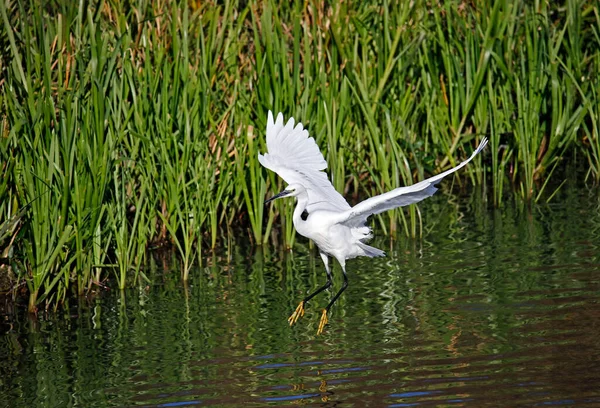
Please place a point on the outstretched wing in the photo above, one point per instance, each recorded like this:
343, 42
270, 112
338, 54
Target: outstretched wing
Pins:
402, 196
296, 158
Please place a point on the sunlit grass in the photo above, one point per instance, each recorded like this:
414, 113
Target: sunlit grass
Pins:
125, 129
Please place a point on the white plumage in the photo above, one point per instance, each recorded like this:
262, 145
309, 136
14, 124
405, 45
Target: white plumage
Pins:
296, 158
337, 229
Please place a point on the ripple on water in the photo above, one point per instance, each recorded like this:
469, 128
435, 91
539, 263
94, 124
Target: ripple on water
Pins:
503, 310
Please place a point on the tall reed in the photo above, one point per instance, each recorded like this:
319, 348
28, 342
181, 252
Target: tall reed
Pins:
126, 128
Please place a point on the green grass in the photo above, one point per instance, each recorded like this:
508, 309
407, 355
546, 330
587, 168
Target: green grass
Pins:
124, 129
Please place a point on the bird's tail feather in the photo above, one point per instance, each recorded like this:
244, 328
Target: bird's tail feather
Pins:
370, 251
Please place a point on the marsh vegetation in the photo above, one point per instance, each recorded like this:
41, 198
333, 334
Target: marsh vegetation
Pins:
125, 128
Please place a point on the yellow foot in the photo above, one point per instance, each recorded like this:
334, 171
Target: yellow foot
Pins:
298, 313
323, 322
323, 389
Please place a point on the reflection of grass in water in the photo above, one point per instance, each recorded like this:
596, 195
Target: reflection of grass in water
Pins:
143, 124
438, 315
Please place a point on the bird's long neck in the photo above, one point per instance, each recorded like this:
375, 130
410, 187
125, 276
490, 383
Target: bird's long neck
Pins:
302, 202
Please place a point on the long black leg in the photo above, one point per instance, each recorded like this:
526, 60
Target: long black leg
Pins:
299, 312
327, 284
337, 295
324, 319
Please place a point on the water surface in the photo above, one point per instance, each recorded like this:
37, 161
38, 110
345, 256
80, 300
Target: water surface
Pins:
493, 307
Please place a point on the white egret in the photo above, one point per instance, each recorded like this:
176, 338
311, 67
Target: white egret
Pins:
321, 213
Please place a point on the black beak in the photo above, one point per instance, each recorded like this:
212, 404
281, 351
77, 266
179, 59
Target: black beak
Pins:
276, 196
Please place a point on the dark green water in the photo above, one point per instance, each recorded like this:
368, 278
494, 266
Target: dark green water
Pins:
490, 308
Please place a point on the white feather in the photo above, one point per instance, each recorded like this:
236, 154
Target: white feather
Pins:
401, 196
296, 158
337, 229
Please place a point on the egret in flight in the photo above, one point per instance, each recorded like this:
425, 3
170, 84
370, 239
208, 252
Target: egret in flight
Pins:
321, 213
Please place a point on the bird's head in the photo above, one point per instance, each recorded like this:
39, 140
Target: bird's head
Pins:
293, 190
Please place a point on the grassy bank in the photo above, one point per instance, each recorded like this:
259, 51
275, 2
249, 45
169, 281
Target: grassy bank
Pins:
125, 129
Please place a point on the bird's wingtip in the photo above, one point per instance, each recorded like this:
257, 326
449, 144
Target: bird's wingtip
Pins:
481, 146
279, 119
